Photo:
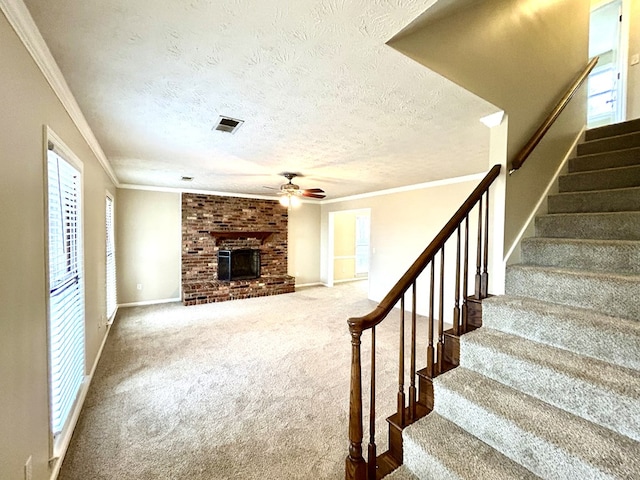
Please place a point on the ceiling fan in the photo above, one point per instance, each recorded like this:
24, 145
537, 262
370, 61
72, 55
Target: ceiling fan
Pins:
290, 192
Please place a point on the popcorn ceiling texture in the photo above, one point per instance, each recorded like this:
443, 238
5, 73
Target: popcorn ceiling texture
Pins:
204, 219
319, 91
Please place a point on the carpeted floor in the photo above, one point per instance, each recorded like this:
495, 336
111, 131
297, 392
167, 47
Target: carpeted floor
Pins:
247, 389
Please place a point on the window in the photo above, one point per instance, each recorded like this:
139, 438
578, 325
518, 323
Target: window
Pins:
66, 291
110, 260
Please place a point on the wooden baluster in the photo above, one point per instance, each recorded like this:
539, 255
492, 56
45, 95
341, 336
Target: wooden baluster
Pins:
456, 308
401, 396
356, 468
372, 412
479, 249
441, 314
430, 350
484, 285
465, 280
412, 387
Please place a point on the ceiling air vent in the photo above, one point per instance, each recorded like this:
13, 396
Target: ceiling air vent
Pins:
228, 124
187, 179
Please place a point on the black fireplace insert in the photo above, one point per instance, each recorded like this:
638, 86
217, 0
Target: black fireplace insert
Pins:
240, 264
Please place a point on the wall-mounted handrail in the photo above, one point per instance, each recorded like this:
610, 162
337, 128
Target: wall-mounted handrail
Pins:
523, 154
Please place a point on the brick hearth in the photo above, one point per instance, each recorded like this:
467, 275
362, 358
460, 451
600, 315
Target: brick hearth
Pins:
211, 223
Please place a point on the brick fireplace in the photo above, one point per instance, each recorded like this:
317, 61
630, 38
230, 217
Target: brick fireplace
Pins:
211, 223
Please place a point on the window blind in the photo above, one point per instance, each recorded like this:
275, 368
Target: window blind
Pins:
66, 291
110, 260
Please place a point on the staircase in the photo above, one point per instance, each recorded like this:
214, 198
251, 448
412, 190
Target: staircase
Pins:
550, 385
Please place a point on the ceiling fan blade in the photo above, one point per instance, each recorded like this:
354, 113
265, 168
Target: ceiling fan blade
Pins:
270, 188
312, 195
314, 190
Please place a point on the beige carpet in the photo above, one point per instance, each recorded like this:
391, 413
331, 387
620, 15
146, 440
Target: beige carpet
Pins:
247, 389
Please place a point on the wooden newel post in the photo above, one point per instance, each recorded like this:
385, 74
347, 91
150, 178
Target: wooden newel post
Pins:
356, 467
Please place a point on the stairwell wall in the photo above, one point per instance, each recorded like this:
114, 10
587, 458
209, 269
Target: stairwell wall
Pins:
520, 56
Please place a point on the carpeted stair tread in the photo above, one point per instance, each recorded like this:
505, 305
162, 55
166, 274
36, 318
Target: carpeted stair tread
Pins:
616, 200
605, 179
601, 226
615, 294
598, 391
598, 161
610, 339
608, 144
435, 448
546, 440
401, 473
613, 130
584, 254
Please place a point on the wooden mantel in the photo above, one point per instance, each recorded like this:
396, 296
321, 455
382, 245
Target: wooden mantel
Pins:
260, 235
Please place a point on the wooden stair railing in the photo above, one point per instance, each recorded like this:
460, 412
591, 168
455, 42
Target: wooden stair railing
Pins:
523, 154
356, 467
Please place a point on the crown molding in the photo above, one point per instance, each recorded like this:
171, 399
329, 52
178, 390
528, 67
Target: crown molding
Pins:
151, 188
20, 19
408, 188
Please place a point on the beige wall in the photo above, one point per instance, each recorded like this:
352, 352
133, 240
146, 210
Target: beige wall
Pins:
148, 246
519, 55
402, 226
28, 103
304, 243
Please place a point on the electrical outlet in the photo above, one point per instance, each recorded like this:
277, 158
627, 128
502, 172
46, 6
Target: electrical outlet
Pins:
28, 469
635, 59
139, 286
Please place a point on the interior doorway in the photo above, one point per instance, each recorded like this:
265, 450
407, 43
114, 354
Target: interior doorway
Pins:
349, 246
606, 89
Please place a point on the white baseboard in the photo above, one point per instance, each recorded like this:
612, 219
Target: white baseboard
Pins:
314, 284
150, 302
357, 279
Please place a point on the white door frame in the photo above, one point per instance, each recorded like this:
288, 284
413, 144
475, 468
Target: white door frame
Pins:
623, 55
331, 240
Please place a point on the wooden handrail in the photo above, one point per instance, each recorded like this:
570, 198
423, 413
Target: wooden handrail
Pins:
359, 324
523, 154
356, 468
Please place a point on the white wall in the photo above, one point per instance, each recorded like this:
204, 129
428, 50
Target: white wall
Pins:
148, 246
28, 103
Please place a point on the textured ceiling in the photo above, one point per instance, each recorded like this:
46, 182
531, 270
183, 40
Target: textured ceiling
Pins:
318, 89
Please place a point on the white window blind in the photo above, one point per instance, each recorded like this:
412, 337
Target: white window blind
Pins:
111, 260
66, 290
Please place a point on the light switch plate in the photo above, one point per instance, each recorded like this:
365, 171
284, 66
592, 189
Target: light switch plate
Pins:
635, 59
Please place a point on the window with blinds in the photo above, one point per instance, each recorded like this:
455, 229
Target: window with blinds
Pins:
66, 290
110, 260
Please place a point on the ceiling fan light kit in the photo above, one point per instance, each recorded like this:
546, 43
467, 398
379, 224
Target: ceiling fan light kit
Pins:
289, 201
290, 192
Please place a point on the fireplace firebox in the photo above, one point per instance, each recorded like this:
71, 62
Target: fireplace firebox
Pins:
240, 264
